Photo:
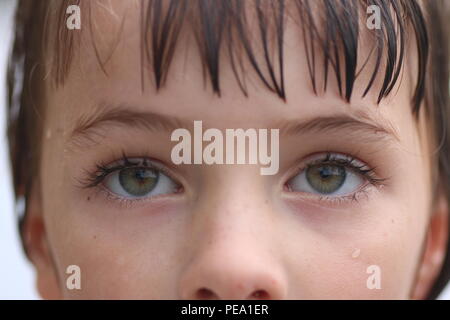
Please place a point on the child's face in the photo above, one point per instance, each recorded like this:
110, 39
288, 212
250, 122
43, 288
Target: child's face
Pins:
226, 231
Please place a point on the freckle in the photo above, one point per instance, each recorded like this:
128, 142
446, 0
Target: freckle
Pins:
88, 198
95, 237
356, 253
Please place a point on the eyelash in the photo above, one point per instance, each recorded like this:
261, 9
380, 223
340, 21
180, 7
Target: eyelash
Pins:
96, 177
350, 163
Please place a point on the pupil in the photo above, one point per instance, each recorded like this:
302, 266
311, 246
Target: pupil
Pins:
325, 172
141, 175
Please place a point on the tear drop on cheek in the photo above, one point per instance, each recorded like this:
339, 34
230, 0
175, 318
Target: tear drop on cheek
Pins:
356, 253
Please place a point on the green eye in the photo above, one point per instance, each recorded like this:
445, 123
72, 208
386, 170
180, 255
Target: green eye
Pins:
136, 178
334, 175
326, 179
138, 181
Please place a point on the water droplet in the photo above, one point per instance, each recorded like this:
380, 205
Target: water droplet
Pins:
356, 253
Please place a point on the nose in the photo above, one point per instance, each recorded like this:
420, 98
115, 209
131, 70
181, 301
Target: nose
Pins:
231, 280
233, 252
234, 272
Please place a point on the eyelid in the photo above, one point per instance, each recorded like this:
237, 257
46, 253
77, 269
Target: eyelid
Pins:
350, 161
126, 203
104, 170
121, 202
330, 157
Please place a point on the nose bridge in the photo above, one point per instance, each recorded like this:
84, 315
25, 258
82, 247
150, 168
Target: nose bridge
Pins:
234, 207
233, 187
232, 252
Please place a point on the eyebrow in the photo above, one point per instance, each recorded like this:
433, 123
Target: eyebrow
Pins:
359, 122
124, 115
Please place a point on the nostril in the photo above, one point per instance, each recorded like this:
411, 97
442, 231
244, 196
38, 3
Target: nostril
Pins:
206, 294
260, 295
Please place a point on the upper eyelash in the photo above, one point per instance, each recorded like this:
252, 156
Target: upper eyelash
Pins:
93, 179
352, 163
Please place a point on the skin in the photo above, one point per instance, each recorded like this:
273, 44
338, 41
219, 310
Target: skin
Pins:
215, 238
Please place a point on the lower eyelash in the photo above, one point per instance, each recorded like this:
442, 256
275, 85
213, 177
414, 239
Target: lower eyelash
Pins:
123, 202
355, 197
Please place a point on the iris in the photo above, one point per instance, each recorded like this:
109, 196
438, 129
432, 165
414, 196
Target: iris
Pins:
138, 181
326, 179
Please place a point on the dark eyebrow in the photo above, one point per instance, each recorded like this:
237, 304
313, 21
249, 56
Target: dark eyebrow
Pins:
357, 123
360, 123
124, 115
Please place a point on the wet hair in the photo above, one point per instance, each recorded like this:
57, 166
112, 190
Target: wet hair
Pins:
331, 28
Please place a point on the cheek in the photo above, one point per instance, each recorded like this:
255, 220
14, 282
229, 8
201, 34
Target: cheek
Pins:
345, 255
121, 253
119, 259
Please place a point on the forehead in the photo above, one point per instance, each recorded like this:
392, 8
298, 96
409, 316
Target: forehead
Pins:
110, 61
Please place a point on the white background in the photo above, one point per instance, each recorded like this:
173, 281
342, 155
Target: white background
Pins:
16, 274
